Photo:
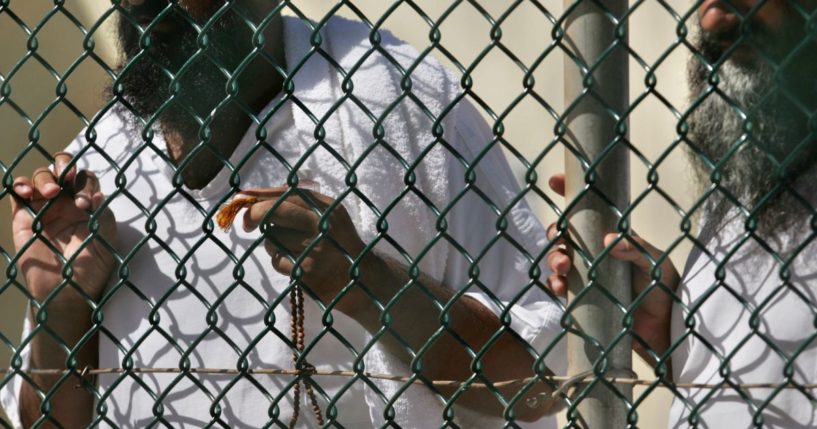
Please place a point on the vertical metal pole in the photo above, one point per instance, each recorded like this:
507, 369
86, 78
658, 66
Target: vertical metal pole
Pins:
592, 128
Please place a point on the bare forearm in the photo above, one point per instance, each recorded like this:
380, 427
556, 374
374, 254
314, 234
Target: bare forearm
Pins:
70, 407
656, 334
415, 318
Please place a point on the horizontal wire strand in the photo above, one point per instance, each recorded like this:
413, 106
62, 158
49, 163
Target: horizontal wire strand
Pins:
399, 378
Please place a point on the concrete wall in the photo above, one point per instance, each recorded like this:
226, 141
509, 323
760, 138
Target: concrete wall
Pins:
465, 33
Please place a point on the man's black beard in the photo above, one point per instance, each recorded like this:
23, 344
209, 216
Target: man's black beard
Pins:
753, 175
145, 81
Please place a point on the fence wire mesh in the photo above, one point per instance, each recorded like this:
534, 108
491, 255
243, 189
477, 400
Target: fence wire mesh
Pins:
189, 330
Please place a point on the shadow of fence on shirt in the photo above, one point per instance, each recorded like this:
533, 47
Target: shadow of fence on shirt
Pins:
408, 214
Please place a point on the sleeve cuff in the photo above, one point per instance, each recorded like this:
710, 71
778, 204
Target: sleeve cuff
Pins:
538, 323
10, 391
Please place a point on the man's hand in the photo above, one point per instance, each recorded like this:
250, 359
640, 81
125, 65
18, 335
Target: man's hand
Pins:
415, 317
653, 315
64, 228
294, 225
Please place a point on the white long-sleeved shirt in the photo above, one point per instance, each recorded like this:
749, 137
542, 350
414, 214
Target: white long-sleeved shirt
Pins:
184, 303
747, 316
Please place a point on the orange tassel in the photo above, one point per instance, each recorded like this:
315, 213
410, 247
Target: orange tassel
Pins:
227, 213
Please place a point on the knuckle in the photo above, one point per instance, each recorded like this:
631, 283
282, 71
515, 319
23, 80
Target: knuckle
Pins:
89, 174
624, 246
280, 264
308, 265
270, 247
41, 171
61, 159
262, 216
556, 249
63, 155
315, 222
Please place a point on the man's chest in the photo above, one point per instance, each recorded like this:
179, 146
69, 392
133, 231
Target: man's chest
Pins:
734, 304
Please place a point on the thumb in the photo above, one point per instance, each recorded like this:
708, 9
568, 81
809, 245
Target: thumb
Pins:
633, 249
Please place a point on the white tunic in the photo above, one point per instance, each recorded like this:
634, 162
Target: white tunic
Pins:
189, 295
753, 321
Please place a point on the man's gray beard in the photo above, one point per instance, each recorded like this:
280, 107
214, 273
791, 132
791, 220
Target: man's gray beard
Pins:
753, 174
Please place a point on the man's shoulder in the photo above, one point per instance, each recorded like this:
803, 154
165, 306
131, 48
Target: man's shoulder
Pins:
104, 142
354, 42
345, 33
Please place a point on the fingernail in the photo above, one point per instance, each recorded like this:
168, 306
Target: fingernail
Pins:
50, 188
82, 202
22, 188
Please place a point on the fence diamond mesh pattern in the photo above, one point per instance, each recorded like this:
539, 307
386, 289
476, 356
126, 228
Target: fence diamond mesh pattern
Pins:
310, 393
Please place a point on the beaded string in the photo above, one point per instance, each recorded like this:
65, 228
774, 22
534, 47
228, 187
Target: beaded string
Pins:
225, 218
296, 300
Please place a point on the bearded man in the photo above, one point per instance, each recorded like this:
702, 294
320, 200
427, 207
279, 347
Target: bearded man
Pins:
393, 249
743, 312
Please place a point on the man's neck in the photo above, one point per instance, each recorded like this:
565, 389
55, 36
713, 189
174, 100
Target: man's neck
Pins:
259, 83
203, 166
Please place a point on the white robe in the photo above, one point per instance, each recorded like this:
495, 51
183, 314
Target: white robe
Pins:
159, 224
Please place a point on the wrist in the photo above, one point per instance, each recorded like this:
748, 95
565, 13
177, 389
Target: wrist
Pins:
66, 298
359, 304
74, 293
655, 332
70, 319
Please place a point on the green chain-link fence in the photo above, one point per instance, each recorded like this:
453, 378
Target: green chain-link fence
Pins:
215, 317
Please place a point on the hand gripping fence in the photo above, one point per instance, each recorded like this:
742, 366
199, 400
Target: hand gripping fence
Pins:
593, 128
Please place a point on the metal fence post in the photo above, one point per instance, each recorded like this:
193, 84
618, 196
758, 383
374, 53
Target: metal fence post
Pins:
596, 96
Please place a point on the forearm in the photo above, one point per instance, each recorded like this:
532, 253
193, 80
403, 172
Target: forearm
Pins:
655, 332
415, 318
70, 407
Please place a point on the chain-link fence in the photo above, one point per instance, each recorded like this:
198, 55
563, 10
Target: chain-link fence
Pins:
386, 267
